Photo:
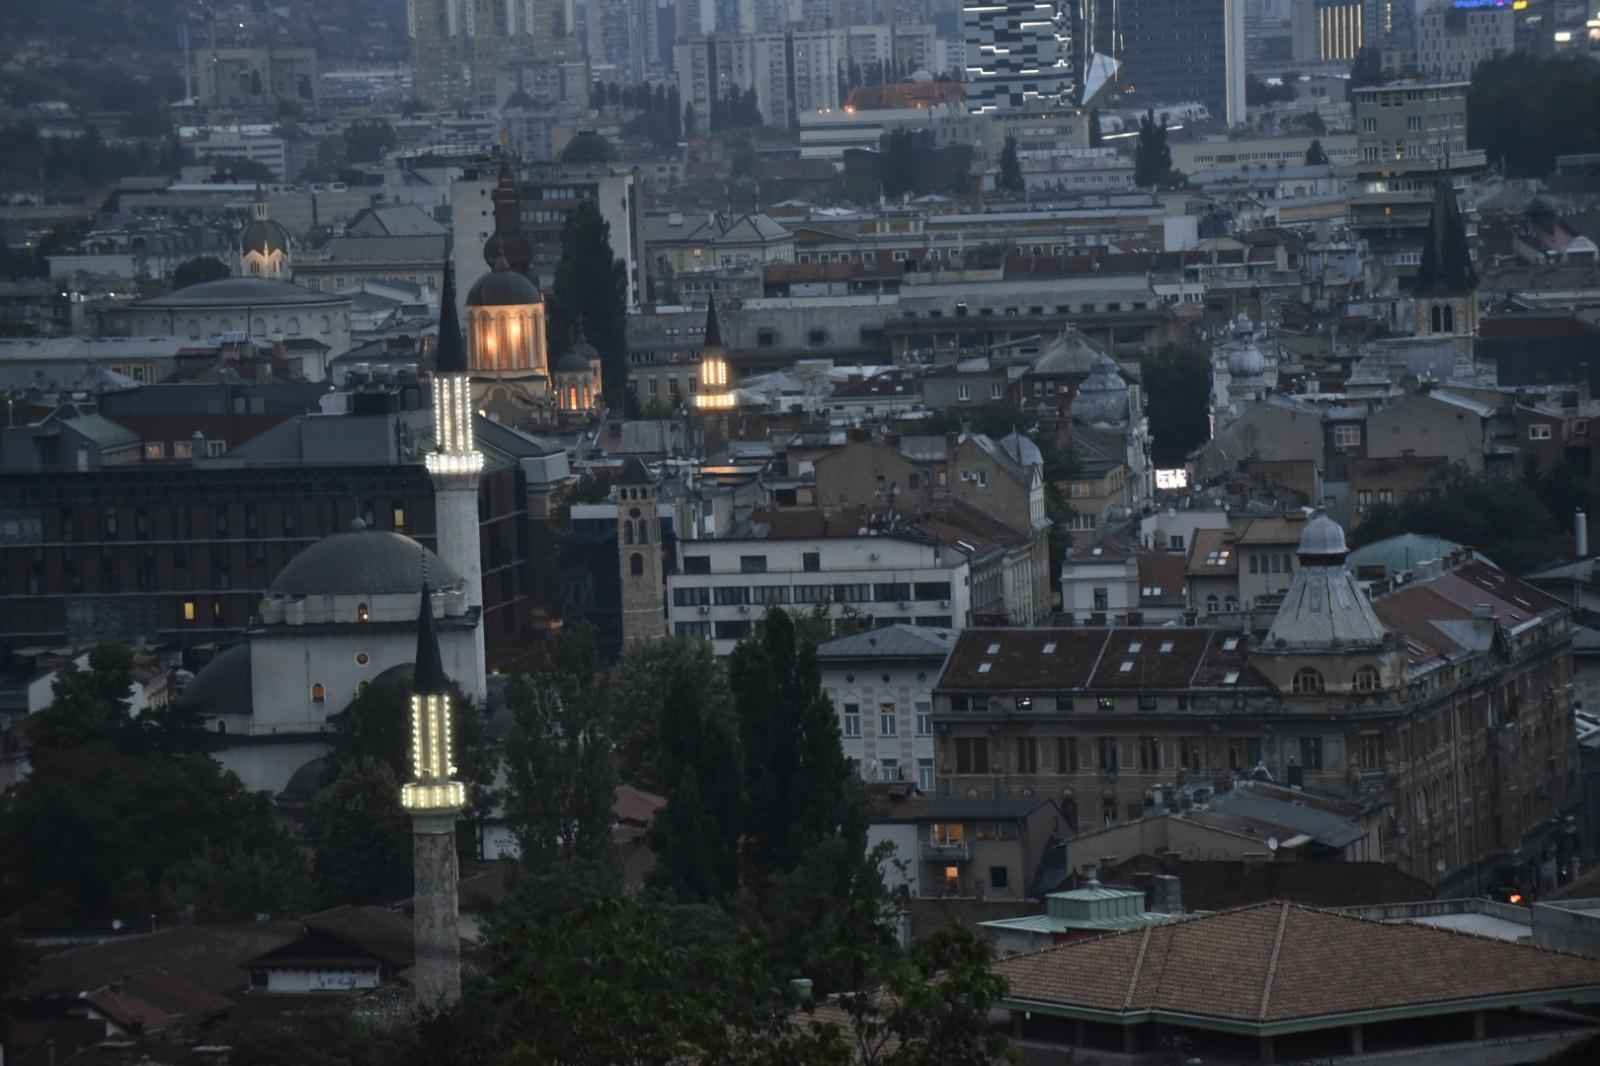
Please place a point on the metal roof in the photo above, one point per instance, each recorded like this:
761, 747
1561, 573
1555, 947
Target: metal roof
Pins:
363, 561
891, 642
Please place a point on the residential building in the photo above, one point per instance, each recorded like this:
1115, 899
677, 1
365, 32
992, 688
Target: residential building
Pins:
976, 848
1301, 983
881, 684
1016, 55
806, 561
256, 77
1453, 38
1103, 585
1411, 135
1075, 914
1183, 51
1361, 696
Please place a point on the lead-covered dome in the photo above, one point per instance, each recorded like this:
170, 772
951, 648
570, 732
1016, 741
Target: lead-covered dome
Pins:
1103, 396
1246, 360
576, 361
1322, 542
503, 287
362, 561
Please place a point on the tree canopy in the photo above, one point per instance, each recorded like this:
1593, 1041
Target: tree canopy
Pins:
1152, 158
1525, 110
591, 288
199, 269
1501, 517
1010, 177
1177, 389
1315, 155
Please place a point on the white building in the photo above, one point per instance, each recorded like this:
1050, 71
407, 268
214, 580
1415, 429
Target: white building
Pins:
881, 684
802, 561
340, 616
1016, 54
1452, 40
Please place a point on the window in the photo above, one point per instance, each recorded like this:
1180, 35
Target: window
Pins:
1189, 753
888, 722
319, 694
1102, 600
1147, 703
636, 565
1541, 431
1066, 754
697, 564
924, 718
1244, 754
999, 877
1149, 753
811, 562
1106, 754
1347, 436
188, 610
691, 596
698, 630
1213, 604
996, 391
752, 564
925, 775
1366, 679
1311, 753
734, 630
154, 450
1307, 681
972, 755
1105, 703
852, 719
730, 595
1024, 703
1370, 751
889, 770
1027, 755
931, 590
963, 393
1219, 557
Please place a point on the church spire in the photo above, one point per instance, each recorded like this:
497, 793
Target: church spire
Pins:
713, 337
1446, 257
508, 241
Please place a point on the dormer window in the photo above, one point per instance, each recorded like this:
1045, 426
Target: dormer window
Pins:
1307, 682
1366, 679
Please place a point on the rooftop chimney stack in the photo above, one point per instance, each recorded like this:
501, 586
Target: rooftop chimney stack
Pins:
1580, 534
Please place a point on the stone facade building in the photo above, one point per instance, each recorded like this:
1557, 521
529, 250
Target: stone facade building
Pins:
1448, 698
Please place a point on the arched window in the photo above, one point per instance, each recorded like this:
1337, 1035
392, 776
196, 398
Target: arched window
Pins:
253, 265
572, 397
1230, 603
1307, 681
292, 327
194, 328
361, 689
1367, 679
1436, 318
636, 565
327, 324
1449, 319
1212, 604
222, 727
644, 532
225, 326
319, 694
363, 612
259, 326
627, 531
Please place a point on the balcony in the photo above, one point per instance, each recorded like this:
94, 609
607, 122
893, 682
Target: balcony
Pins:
951, 851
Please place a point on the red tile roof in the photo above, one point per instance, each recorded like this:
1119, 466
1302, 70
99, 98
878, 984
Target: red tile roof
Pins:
1283, 963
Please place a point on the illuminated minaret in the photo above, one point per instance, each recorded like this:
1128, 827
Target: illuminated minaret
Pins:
456, 466
435, 798
713, 399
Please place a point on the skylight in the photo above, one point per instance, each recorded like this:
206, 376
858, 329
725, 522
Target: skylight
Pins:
1166, 646
1135, 647
1231, 677
1050, 648
983, 668
1219, 557
994, 649
1230, 644
1126, 667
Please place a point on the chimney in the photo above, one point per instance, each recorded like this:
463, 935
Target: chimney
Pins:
1580, 534
1166, 894
197, 445
1089, 873
1484, 611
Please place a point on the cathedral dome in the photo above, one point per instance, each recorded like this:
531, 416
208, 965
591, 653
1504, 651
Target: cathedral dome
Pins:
576, 361
365, 562
503, 287
1103, 396
265, 236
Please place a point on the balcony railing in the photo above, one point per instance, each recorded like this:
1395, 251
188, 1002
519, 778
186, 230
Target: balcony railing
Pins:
951, 851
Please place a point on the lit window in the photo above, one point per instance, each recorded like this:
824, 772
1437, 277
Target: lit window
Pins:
188, 610
363, 613
319, 694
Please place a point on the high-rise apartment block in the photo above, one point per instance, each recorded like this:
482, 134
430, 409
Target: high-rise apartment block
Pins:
1328, 31
1018, 54
1183, 51
1451, 40
1410, 135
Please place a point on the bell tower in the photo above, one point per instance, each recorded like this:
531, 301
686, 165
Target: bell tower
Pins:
1445, 299
644, 614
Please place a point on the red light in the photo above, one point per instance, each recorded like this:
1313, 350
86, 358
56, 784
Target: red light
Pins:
1516, 897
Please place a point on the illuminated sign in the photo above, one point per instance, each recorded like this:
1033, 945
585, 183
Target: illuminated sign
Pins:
1172, 479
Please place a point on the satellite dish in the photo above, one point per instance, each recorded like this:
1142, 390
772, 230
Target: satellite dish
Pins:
1440, 866
116, 925
1272, 843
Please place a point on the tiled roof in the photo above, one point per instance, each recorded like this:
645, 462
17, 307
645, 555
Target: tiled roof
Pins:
1161, 579
1206, 558
890, 642
427, 248
1283, 963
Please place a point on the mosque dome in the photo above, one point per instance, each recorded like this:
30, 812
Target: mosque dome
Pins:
223, 685
502, 287
1103, 396
1246, 361
362, 561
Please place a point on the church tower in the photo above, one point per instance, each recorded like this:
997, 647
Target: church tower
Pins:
262, 248
456, 466
639, 555
434, 798
1446, 288
507, 340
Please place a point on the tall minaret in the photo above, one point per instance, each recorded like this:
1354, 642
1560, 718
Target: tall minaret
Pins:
714, 400
456, 466
435, 798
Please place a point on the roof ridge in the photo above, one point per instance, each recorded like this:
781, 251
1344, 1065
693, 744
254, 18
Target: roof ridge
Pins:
1272, 961
1138, 967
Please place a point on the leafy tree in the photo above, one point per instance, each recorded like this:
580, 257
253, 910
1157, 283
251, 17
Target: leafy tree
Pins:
238, 168
361, 835
1367, 68
1258, 92
1312, 120
201, 268
367, 141
591, 286
1500, 517
897, 162
1010, 177
1315, 156
228, 885
689, 121
1520, 111
16, 962
1152, 159
1177, 388
325, 1036
560, 766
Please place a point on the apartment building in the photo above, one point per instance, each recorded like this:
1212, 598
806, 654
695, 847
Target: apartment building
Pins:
881, 684
1452, 38
1450, 697
1015, 54
805, 562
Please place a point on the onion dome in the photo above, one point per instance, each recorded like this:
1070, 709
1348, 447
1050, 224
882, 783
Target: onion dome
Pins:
1103, 396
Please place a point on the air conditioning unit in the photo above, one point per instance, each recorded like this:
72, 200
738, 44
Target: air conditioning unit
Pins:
944, 603
904, 604
704, 609
744, 608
